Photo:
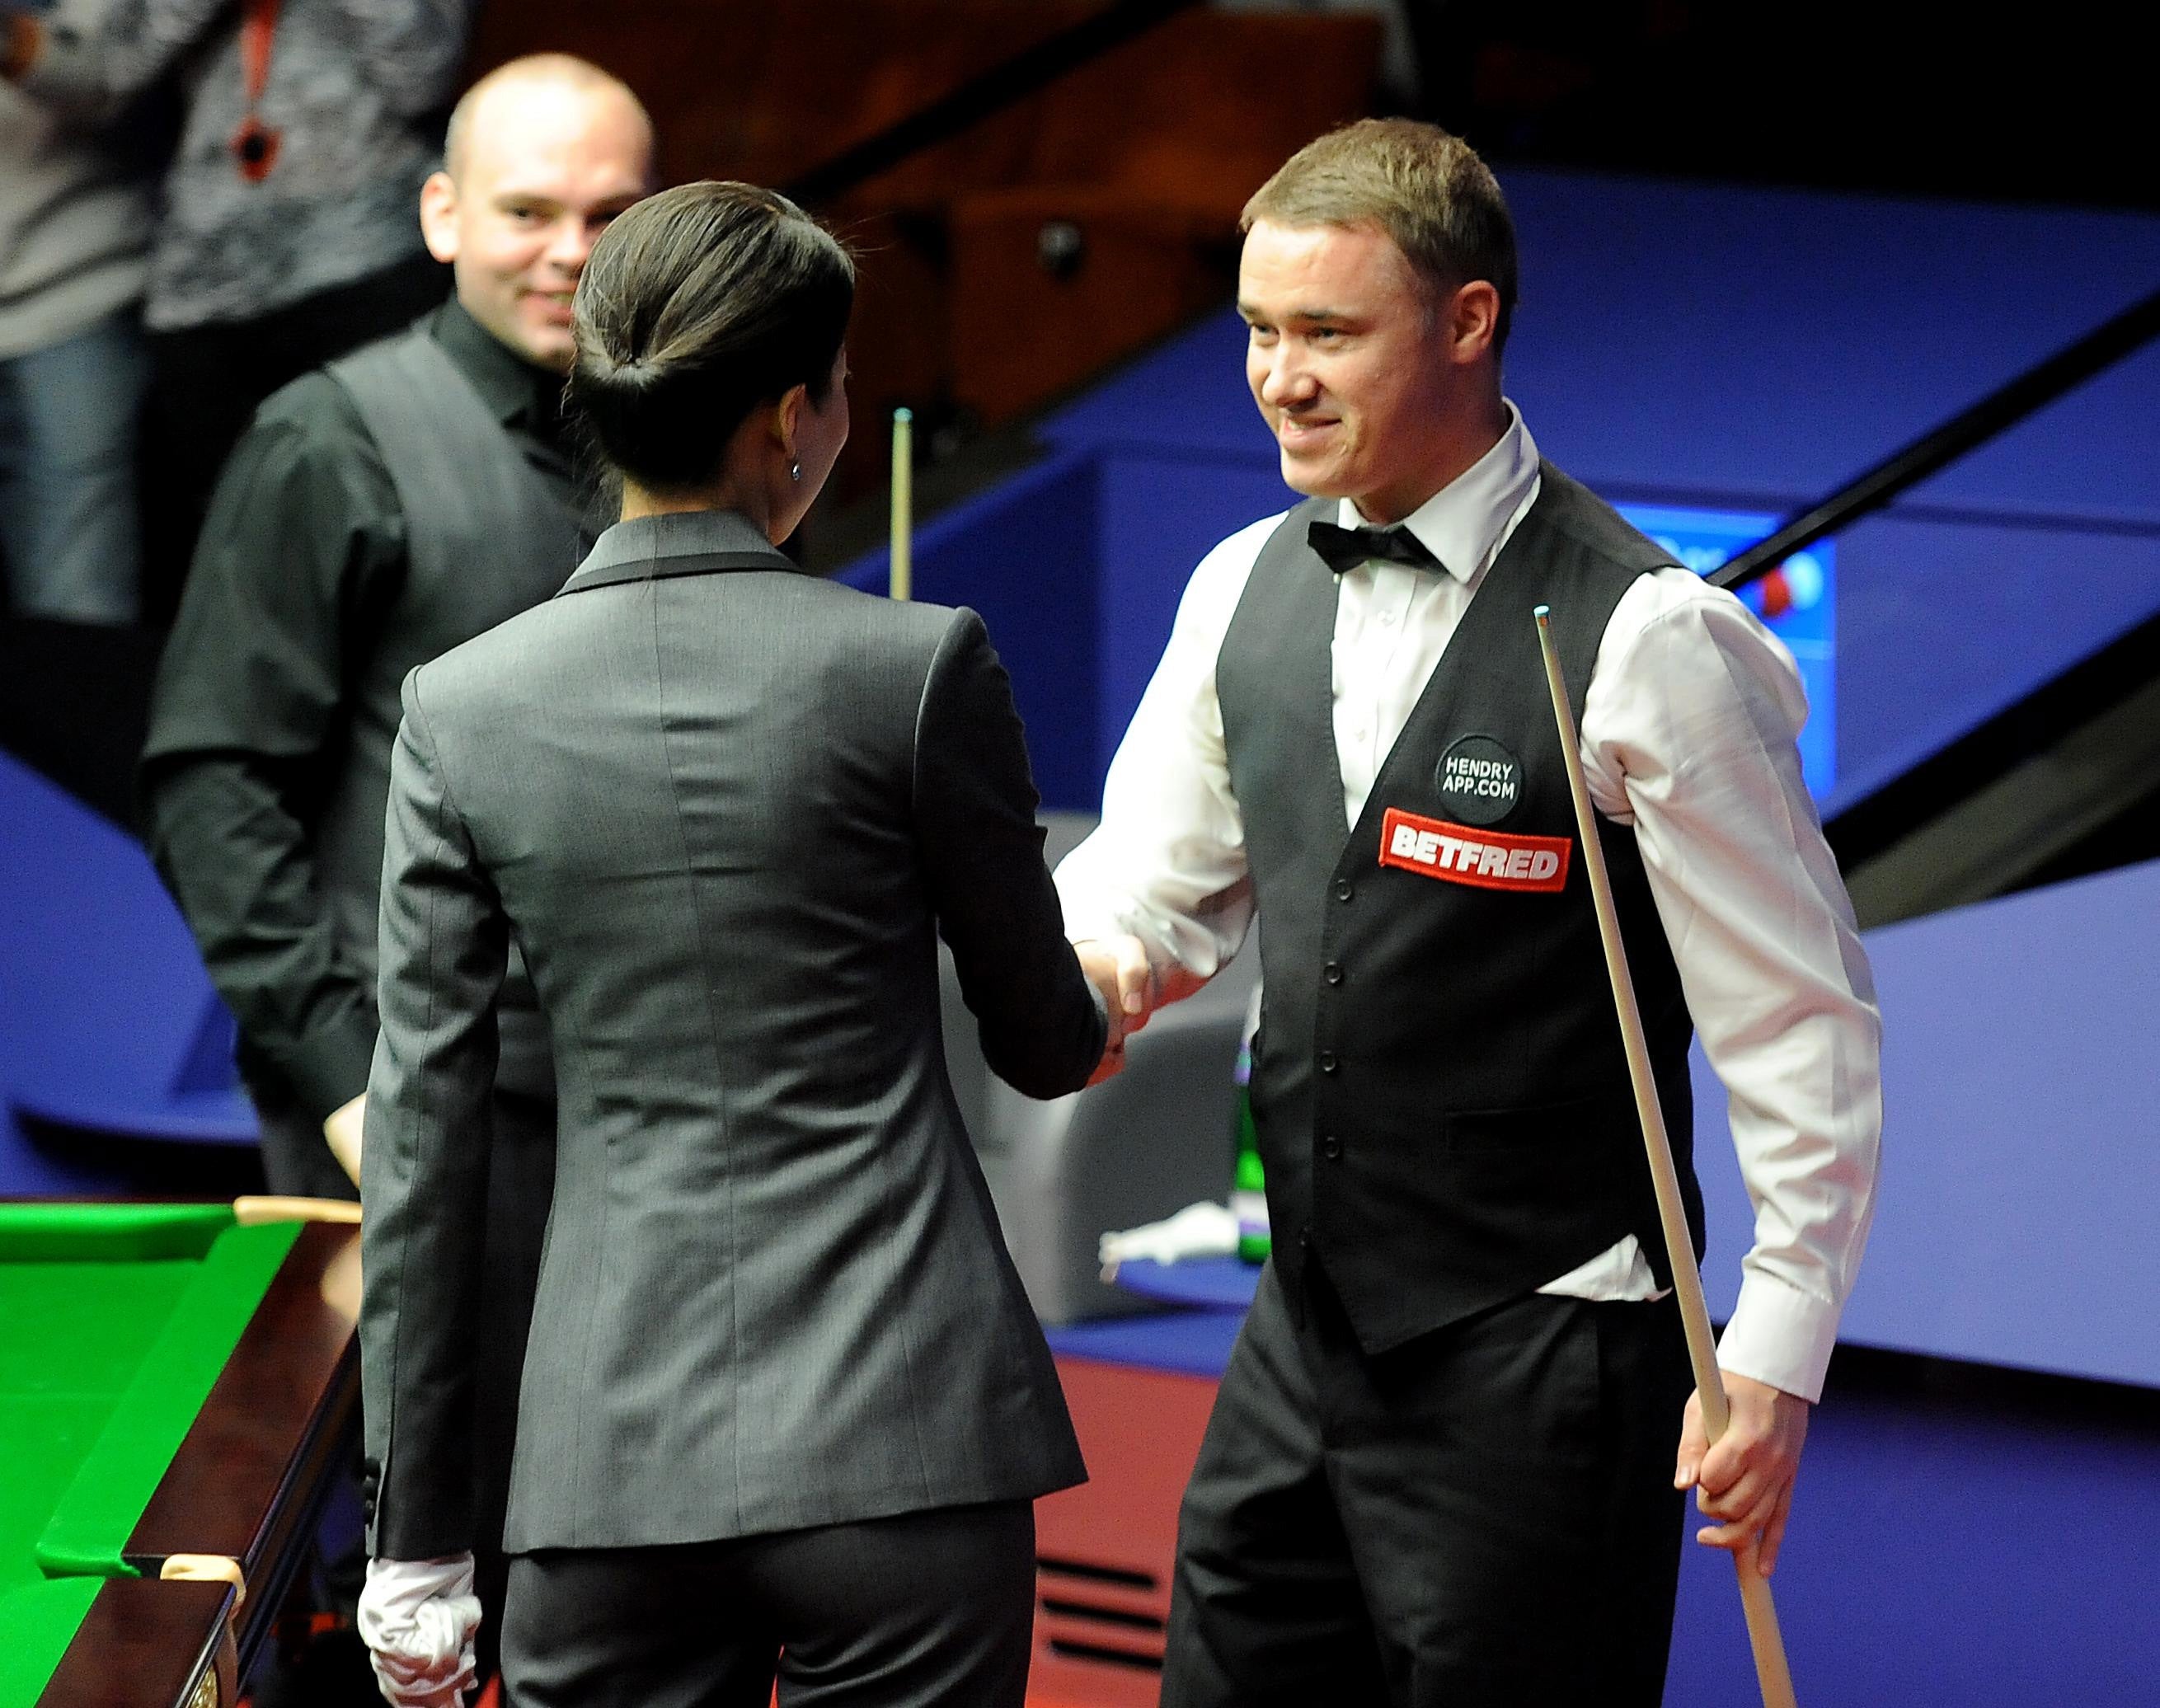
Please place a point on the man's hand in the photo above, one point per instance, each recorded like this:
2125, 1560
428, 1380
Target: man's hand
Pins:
342, 1129
1745, 1480
1118, 967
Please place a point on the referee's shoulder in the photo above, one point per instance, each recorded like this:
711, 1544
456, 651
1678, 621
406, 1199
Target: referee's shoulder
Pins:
532, 647
896, 627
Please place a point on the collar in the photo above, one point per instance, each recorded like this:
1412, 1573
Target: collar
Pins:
1462, 522
680, 543
516, 392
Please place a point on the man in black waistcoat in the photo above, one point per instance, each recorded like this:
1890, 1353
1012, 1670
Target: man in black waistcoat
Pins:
377, 513
1441, 1467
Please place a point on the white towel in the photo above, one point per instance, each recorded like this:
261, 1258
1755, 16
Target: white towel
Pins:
1199, 1230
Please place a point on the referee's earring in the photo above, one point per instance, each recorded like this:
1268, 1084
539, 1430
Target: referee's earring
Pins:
795, 471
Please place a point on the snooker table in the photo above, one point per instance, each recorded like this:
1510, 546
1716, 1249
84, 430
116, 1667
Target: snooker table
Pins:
177, 1386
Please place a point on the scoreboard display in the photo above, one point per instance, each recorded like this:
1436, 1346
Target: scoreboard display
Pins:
1797, 600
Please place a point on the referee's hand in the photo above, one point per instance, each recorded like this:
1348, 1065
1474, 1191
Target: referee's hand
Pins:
1745, 1479
418, 1618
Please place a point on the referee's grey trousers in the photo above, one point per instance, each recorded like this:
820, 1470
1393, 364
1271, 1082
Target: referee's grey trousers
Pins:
930, 1609
1484, 1517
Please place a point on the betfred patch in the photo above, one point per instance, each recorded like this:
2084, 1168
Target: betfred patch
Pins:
1456, 854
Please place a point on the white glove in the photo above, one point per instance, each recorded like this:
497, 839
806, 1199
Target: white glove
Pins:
418, 1618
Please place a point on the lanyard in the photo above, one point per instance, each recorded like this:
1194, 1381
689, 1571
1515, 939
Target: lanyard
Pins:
254, 144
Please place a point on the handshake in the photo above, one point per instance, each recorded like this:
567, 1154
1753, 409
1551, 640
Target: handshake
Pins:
1118, 967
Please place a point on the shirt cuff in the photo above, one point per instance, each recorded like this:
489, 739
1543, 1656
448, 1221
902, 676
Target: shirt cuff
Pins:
1085, 924
329, 1068
1779, 1335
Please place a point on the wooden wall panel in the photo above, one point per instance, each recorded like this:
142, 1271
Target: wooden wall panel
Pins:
1147, 154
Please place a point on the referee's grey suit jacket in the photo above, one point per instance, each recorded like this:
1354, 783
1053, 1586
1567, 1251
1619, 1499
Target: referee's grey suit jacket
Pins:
723, 809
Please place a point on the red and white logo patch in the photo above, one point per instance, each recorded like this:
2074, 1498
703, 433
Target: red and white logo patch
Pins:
1456, 854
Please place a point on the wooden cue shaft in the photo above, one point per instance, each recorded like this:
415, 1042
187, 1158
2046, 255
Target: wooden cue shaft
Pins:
903, 504
249, 1211
1772, 1673
204, 1568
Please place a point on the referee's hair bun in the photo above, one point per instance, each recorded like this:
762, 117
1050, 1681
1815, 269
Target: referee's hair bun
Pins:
696, 306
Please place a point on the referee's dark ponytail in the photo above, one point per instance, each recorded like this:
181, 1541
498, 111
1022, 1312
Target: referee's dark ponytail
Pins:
696, 306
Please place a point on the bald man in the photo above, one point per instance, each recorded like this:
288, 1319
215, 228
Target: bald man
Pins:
377, 513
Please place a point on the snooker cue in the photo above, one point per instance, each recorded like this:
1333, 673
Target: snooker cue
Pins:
903, 503
250, 1211
221, 1683
1772, 1674
204, 1568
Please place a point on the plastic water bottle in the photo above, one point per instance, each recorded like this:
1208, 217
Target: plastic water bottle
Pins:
1249, 1196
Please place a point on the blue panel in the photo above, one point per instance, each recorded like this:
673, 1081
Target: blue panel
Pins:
1162, 512
1025, 557
2020, 1170
1198, 1283
103, 998
1939, 1554
1745, 342
1942, 624
2094, 454
1188, 395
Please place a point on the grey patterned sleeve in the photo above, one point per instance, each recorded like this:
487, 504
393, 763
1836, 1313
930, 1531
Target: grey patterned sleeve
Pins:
424, 1169
1042, 1026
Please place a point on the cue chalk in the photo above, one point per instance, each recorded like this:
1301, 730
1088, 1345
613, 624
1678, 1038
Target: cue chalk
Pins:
1772, 1673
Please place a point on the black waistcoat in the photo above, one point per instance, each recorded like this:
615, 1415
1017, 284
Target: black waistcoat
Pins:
487, 534
1439, 1085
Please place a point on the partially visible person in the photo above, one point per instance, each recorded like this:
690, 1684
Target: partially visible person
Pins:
377, 513
785, 1406
75, 253
286, 236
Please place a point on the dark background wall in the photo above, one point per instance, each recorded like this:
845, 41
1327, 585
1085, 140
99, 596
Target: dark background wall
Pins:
2040, 104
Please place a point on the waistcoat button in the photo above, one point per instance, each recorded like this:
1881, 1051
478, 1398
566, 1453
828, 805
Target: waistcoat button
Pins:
1330, 1147
1341, 889
1333, 971
1327, 1062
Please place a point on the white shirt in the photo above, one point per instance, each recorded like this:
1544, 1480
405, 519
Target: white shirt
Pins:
1689, 729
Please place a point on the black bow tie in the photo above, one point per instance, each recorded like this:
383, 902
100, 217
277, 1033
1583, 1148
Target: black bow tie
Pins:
1343, 548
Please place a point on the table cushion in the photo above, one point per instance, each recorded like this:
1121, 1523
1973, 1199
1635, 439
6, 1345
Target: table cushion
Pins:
92, 1519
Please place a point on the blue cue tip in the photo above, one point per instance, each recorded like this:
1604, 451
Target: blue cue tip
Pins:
903, 413
1542, 612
